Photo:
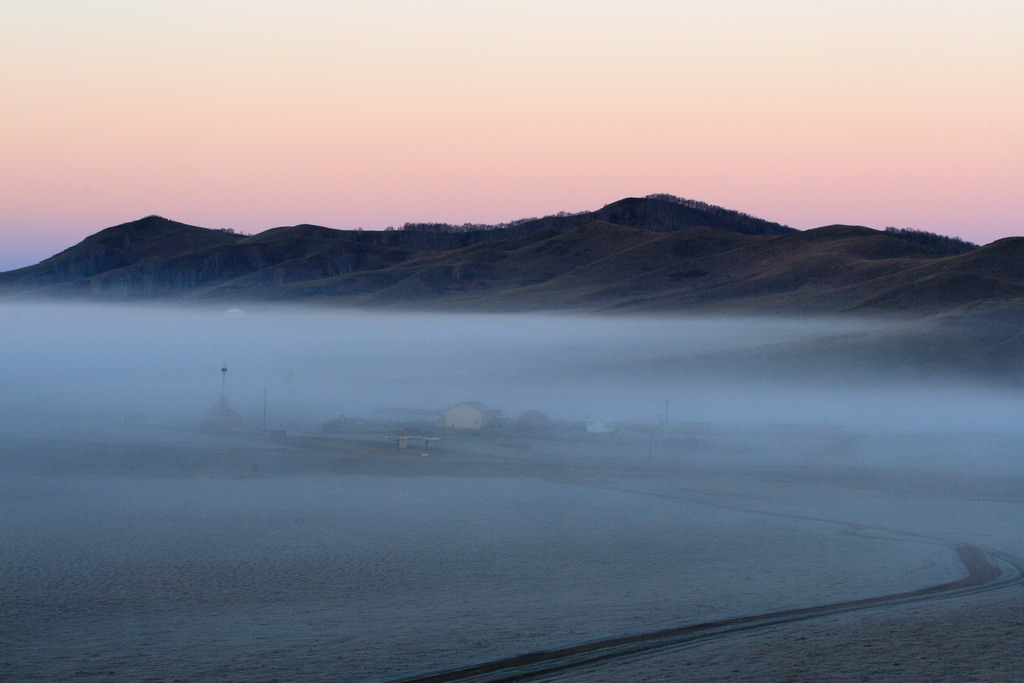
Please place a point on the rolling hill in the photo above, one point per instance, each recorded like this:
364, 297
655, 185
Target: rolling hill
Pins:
652, 254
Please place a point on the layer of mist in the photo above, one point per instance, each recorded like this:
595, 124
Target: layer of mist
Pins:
647, 473
306, 366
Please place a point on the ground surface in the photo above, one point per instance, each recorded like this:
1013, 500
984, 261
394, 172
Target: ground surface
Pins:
976, 639
181, 555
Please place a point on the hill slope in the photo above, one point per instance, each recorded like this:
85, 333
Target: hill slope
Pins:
116, 247
652, 254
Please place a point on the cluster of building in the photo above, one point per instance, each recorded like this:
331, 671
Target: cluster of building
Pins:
468, 416
405, 423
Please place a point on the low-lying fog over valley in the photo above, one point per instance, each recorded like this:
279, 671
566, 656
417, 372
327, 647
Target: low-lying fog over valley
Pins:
164, 364
199, 493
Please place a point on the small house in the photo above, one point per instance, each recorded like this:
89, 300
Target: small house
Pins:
599, 427
470, 416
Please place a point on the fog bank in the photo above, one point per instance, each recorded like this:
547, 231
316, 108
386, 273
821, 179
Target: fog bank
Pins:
163, 364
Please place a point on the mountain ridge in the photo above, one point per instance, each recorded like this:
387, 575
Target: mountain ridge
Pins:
651, 254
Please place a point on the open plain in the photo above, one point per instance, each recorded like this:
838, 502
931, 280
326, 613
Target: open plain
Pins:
173, 554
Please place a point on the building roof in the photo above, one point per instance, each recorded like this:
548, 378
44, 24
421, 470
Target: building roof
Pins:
477, 405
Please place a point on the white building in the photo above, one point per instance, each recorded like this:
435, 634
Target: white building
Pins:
470, 416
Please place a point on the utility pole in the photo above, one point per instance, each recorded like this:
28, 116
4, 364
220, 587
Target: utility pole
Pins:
223, 384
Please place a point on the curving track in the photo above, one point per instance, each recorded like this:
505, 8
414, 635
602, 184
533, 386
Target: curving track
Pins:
987, 570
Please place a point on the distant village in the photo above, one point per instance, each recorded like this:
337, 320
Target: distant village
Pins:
473, 426
465, 418
424, 428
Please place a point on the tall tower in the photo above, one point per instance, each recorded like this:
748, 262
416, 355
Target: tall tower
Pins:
222, 416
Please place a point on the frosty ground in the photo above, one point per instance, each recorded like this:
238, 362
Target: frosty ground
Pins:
179, 555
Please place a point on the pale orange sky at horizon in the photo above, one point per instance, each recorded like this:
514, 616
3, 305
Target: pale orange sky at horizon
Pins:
256, 114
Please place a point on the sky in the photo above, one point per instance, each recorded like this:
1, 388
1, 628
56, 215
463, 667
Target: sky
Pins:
260, 113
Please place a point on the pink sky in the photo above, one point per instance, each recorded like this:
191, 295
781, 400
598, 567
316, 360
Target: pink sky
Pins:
255, 114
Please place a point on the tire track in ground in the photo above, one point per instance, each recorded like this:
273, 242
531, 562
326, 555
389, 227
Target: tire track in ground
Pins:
987, 570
